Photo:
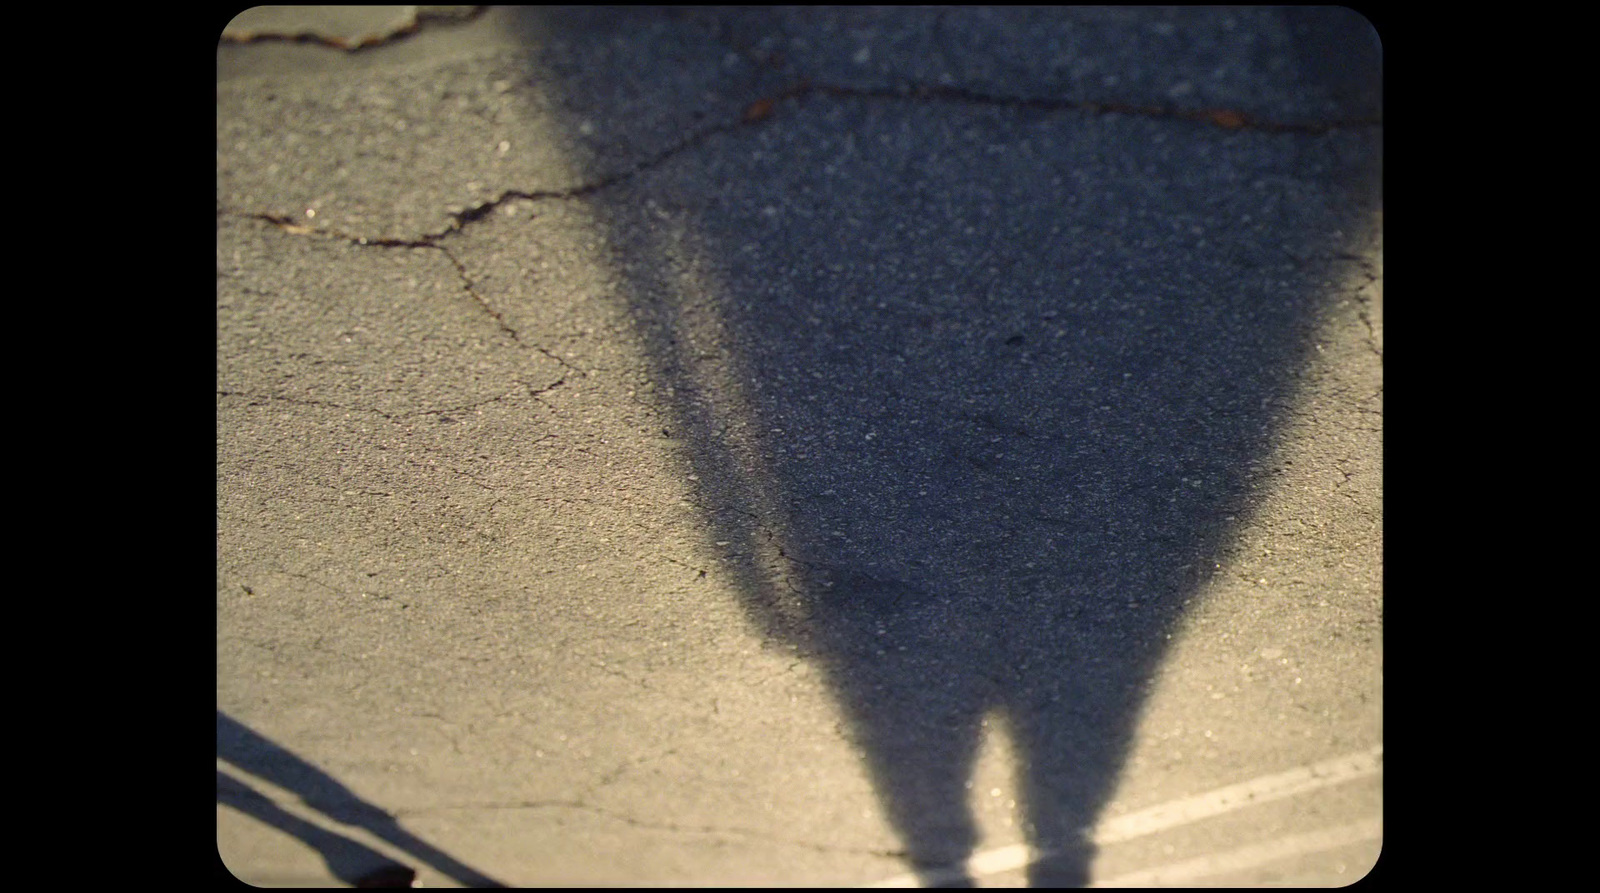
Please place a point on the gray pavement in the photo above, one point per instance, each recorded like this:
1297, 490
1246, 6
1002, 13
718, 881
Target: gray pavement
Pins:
800, 446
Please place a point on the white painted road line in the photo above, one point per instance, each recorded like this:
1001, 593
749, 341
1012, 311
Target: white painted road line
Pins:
1259, 790
1244, 858
1175, 813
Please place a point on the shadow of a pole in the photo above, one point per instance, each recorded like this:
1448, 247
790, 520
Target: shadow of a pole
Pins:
349, 860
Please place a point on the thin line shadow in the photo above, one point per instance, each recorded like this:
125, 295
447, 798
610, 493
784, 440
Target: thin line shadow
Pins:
350, 861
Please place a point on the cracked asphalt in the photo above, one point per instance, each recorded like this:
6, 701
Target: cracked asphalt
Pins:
827, 446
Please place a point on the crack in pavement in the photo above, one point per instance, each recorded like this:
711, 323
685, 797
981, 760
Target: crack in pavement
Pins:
762, 112
1372, 334
623, 767
426, 241
1227, 119
747, 833
259, 400
263, 399
672, 827
763, 109
481, 210
499, 318
307, 577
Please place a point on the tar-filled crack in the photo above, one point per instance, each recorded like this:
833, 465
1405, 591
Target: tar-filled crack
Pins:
295, 228
763, 109
479, 211
1227, 119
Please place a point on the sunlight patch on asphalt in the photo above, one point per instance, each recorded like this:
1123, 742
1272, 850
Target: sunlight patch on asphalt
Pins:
1263, 789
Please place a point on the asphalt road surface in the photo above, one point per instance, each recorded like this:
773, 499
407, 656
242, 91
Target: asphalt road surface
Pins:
799, 446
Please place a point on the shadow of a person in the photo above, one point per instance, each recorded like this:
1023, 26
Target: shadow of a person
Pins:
350, 861
917, 684
974, 393
980, 470
347, 859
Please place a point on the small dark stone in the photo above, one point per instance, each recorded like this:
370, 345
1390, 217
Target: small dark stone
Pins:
388, 876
